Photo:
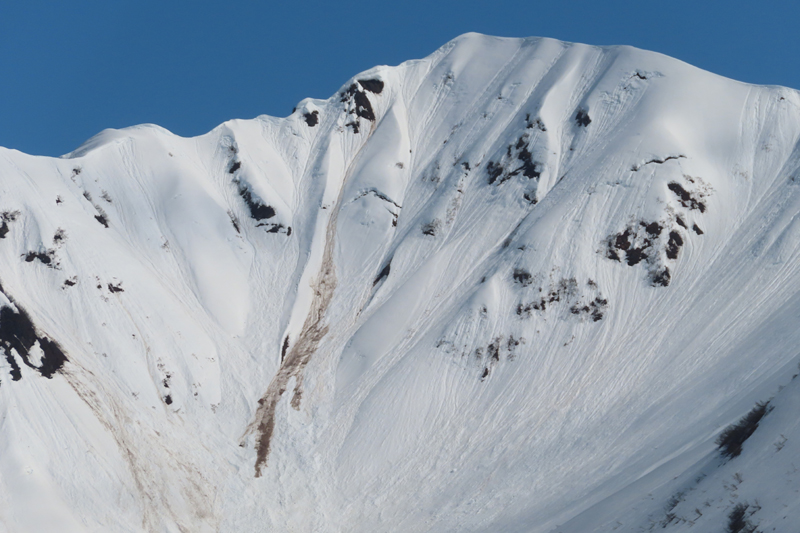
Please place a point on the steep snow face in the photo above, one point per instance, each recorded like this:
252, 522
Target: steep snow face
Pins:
519, 285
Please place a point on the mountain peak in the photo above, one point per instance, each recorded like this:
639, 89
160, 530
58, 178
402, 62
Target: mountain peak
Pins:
514, 286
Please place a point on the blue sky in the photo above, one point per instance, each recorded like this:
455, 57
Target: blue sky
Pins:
70, 69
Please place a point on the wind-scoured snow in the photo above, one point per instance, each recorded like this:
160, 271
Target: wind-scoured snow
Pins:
520, 285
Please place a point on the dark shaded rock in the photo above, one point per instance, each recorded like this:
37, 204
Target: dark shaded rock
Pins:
523, 277
582, 118
674, 244
44, 258
6, 217
732, 438
284, 348
373, 86
653, 229
312, 119
432, 228
59, 236
258, 210
363, 106
53, 359
494, 171
115, 288
661, 278
383, 274
18, 333
686, 198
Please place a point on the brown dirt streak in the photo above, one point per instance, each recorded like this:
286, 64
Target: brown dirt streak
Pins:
314, 329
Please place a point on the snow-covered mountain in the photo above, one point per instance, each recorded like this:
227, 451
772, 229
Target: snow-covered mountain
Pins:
518, 286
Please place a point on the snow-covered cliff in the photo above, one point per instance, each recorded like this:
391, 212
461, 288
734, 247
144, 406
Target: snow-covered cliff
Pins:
520, 285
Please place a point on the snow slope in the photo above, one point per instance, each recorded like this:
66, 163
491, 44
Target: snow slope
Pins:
520, 285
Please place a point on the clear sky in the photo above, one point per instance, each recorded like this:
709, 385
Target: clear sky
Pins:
69, 69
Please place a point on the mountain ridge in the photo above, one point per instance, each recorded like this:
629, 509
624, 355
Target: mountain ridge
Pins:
496, 289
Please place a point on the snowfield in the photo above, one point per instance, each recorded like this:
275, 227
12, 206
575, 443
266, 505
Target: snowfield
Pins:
520, 285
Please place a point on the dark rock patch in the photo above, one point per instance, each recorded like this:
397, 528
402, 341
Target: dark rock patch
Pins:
312, 119
522, 276
732, 438
596, 309
6, 217
373, 86
284, 348
564, 289
674, 244
349, 92
432, 228
525, 310
379, 195
101, 218
493, 350
517, 160
358, 103
653, 229
46, 258
234, 222
643, 242
275, 227
53, 359
686, 198
18, 333
258, 209
624, 242
697, 229
536, 123
499, 349
528, 167
660, 278
363, 106
115, 288
582, 118
236, 165
494, 171
383, 274
168, 399
636, 168
738, 521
